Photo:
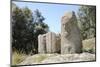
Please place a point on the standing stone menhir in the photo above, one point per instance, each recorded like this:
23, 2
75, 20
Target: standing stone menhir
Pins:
51, 44
70, 34
42, 43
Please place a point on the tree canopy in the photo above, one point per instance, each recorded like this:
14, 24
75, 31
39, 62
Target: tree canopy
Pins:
26, 26
87, 21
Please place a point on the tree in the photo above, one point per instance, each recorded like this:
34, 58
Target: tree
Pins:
39, 27
87, 21
21, 19
38, 17
25, 29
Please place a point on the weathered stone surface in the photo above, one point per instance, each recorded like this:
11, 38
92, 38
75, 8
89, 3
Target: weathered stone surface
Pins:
70, 58
48, 42
42, 43
58, 43
58, 58
51, 42
70, 34
39, 43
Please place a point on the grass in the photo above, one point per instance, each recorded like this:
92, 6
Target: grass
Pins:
38, 58
89, 45
17, 57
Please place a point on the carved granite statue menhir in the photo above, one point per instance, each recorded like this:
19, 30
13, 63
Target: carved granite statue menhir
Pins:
70, 34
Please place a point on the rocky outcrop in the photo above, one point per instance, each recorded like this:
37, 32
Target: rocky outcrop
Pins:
58, 58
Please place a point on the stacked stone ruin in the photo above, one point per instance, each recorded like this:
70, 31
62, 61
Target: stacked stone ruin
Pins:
67, 43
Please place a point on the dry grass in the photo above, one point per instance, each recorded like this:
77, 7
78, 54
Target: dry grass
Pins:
89, 45
40, 58
17, 57
36, 59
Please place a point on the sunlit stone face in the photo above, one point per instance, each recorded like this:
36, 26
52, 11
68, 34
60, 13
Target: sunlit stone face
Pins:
70, 34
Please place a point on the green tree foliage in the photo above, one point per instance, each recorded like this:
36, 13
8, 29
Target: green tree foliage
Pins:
87, 21
25, 29
39, 26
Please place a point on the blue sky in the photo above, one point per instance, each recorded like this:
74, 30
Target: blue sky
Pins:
51, 12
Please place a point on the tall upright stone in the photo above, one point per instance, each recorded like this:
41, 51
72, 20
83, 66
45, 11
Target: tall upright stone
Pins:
58, 43
70, 34
39, 43
42, 43
48, 42
51, 43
